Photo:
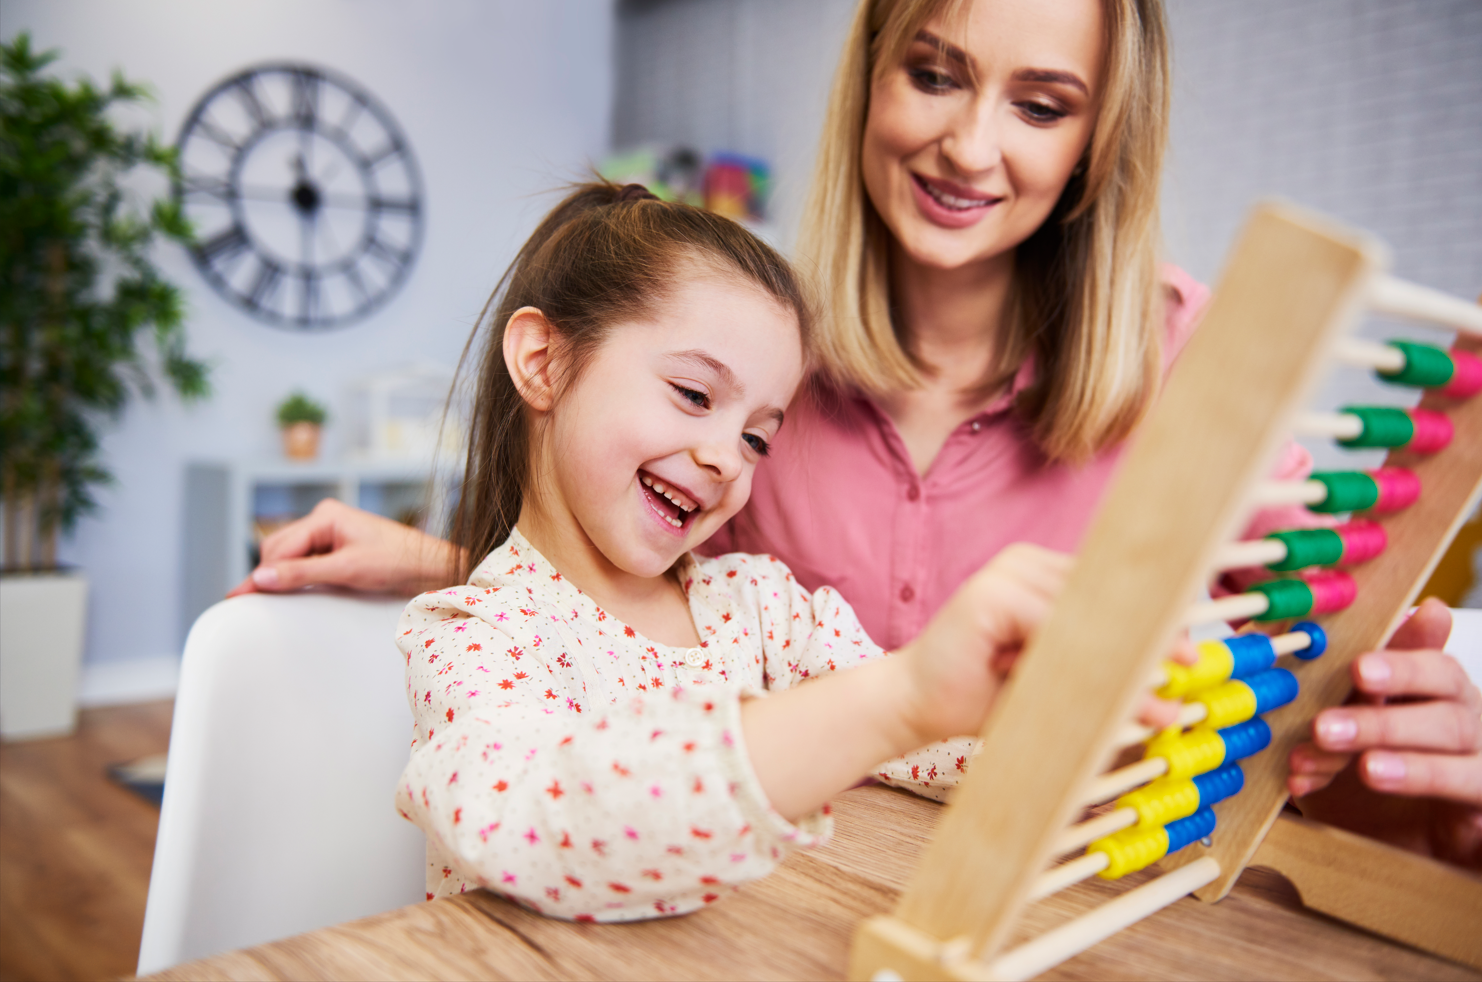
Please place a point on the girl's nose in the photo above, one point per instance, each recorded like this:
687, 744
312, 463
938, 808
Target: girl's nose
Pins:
973, 144
720, 459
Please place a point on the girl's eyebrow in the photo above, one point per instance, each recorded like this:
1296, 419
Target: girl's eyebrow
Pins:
724, 375
1055, 76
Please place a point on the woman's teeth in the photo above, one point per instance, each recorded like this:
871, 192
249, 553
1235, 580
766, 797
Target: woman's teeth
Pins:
952, 201
678, 501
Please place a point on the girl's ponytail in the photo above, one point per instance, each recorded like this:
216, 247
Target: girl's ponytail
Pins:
605, 254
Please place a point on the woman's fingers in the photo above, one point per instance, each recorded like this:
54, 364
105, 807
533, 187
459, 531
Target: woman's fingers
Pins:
1455, 777
1439, 725
1415, 673
1428, 627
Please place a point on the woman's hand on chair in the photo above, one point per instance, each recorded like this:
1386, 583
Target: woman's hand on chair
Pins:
336, 545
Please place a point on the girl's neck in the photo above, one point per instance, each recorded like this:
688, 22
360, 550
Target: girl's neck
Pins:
953, 319
654, 606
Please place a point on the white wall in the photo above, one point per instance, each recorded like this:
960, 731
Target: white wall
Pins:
500, 100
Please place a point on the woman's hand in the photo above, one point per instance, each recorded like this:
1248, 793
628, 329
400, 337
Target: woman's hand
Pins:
336, 545
1414, 730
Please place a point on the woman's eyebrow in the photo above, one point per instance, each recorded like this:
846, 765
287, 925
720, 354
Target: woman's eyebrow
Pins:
949, 51
1051, 75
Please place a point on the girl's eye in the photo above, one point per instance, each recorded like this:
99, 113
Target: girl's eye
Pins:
1040, 112
694, 396
931, 80
762, 447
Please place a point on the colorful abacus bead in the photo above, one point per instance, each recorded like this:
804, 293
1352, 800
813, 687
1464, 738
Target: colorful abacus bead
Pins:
1316, 592
1420, 430
1457, 374
1230, 658
1349, 543
1167, 799
1136, 848
1202, 749
1241, 699
1385, 489
1317, 640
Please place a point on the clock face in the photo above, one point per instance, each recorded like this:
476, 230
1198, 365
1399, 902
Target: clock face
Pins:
304, 194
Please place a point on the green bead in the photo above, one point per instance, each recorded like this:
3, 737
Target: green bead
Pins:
1384, 426
1308, 547
1426, 366
1289, 598
1347, 491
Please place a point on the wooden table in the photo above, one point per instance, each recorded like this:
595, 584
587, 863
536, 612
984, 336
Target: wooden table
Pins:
796, 924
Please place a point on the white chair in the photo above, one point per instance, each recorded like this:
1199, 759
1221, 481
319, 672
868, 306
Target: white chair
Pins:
291, 728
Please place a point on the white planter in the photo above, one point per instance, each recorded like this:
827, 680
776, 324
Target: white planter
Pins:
41, 626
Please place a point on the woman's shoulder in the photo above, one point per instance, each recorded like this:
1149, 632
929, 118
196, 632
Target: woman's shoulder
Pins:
1184, 303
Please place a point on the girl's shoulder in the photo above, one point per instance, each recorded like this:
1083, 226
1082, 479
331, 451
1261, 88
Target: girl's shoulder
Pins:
730, 572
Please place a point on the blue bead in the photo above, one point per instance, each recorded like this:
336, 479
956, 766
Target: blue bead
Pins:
1319, 638
1252, 652
1273, 687
1219, 784
1191, 829
1244, 739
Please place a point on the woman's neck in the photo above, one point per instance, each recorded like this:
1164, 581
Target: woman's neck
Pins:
953, 322
654, 606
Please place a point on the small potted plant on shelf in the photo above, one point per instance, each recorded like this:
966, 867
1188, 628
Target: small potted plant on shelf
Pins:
78, 288
301, 420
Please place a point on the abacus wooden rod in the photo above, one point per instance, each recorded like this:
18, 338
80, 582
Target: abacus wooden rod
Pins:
1241, 606
1069, 940
1113, 783
1249, 553
1057, 878
1134, 733
1401, 298
1339, 426
1269, 493
1369, 354
1092, 829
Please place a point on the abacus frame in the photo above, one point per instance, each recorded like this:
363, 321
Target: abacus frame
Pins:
1293, 286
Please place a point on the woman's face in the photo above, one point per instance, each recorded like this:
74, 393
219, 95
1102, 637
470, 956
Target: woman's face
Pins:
971, 138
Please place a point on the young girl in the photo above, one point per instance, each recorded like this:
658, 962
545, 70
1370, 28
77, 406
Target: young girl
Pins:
591, 737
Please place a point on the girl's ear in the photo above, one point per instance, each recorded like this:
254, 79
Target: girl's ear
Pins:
528, 357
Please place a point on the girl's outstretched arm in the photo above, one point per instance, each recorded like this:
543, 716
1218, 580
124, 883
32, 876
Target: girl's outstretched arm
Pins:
808, 743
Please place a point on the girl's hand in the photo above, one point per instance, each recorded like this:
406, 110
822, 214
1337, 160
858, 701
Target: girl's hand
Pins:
1414, 730
958, 664
336, 545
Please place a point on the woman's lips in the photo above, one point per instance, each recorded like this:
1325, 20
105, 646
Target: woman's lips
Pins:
950, 205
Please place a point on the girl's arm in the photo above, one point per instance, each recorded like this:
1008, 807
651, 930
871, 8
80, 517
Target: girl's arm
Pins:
810, 742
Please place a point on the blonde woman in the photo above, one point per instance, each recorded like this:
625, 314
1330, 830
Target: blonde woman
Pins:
983, 229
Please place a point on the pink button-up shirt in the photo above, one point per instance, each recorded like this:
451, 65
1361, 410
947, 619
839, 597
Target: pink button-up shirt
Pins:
840, 502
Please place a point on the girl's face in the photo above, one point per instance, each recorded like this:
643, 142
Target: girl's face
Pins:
966, 149
652, 449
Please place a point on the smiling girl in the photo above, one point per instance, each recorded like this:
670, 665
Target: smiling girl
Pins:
590, 734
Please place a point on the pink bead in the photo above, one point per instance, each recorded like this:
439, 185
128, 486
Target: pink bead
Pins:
1433, 431
1398, 488
1466, 381
1362, 539
1331, 590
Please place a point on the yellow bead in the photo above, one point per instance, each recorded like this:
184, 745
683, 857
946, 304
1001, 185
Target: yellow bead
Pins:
1195, 752
1227, 704
1162, 802
1131, 850
1213, 667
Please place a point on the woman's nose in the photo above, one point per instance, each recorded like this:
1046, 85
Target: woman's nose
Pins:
973, 143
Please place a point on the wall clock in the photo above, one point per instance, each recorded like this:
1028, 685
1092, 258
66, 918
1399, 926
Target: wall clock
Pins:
304, 194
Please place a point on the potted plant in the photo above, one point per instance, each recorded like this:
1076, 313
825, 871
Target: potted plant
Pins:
301, 420
78, 292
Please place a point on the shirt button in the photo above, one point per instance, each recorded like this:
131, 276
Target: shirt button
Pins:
912, 493
977, 425
694, 657
907, 594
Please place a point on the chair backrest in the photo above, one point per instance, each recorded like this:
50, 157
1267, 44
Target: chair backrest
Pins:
291, 728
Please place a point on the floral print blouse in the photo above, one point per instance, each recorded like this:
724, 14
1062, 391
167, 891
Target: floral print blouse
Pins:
565, 761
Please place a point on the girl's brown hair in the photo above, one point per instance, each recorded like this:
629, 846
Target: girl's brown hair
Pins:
605, 254
1087, 302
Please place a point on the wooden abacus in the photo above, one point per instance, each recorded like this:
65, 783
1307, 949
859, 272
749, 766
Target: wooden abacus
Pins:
1293, 287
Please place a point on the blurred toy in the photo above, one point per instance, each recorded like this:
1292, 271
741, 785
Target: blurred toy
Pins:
736, 186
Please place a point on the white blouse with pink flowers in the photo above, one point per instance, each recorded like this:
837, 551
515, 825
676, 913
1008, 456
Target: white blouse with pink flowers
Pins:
565, 761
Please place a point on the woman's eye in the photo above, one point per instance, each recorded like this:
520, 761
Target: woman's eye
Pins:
762, 447
932, 80
694, 396
1040, 112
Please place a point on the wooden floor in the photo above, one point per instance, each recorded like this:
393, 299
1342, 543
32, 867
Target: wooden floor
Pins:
75, 848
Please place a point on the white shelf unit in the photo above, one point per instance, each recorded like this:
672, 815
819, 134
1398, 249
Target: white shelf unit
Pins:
224, 501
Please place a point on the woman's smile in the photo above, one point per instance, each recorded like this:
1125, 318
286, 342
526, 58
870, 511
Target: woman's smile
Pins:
950, 205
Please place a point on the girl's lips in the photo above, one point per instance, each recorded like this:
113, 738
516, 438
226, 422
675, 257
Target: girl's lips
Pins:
950, 205
671, 505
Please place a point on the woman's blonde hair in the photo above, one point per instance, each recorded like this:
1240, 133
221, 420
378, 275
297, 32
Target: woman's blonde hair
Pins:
1086, 303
